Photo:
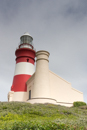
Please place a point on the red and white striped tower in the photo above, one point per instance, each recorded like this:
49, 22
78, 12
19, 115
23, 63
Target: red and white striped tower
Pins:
25, 59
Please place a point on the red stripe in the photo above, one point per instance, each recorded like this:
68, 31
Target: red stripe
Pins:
23, 54
25, 59
19, 83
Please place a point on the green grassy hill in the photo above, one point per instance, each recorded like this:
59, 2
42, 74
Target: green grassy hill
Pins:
25, 116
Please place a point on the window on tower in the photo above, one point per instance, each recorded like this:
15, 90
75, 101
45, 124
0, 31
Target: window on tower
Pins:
27, 60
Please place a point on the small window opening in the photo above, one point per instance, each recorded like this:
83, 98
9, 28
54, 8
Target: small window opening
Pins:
30, 94
27, 60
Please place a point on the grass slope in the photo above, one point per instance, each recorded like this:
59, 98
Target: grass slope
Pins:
25, 116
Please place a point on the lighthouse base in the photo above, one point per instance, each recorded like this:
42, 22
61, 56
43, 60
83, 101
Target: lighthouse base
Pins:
17, 96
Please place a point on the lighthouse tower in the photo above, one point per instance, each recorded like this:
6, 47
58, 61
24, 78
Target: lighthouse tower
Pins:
25, 59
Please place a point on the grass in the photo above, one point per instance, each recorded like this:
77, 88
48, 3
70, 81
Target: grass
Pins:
25, 116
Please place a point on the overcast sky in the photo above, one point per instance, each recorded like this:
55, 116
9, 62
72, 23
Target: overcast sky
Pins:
58, 26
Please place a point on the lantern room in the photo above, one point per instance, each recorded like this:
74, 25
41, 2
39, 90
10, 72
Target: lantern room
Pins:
26, 41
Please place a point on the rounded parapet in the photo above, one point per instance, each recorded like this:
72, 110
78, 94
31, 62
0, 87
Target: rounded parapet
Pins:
42, 55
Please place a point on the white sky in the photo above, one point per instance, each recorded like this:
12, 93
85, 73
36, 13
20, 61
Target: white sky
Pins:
58, 26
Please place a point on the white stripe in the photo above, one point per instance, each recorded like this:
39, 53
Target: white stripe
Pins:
24, 68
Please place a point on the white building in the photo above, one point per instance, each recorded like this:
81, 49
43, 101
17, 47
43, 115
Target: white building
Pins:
41, 86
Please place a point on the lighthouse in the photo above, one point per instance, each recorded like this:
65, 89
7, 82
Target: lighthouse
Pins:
24, 69
41, 85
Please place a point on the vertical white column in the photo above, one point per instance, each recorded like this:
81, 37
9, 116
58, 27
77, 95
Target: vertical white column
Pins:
41, 83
